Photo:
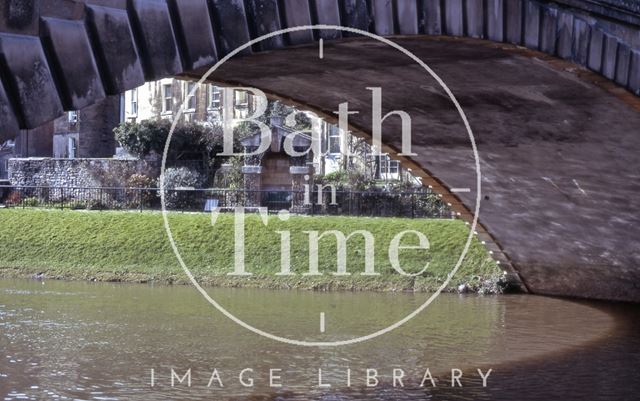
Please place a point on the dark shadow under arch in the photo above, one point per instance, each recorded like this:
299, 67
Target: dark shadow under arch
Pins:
555, 200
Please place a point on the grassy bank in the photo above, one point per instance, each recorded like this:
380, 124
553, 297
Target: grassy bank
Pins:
130, 246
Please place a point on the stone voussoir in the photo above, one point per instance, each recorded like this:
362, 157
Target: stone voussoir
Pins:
29, 79
72, 57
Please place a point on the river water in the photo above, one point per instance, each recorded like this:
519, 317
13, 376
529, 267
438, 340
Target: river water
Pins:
96, 341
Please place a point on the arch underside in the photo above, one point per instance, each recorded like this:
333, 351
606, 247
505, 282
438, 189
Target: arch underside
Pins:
559, 155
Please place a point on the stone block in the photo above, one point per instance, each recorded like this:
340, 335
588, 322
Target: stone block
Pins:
596, 47
115, 49
580, 46
565, 35
297, 13
9, 127
251, 169
407, 17
72, 57
432, 16
634, 72
610, 56
298, 170
327, 12
156, 42
265, 15
453, 14
29, 79
513, 19
355, 14
622, 66
548, 30
474, 10
532, 24
194, 33
229, 25
495, 20
382, 11
19, 16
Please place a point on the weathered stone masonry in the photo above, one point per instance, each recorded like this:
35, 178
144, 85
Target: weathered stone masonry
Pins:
75, 172
65, 55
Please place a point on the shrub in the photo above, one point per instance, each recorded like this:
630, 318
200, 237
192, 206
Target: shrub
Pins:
96, 204
140, 181
430, 204
353, 180
340, 177
77, 205
118, 173
195, 140
359, 181
175, 180
91, 204
30, 202
403, 186
14, 198
141, 138
136, 193
230, 175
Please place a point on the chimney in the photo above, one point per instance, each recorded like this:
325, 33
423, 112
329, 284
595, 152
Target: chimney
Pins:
276, 121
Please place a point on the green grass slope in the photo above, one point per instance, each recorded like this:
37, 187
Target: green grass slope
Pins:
130, 246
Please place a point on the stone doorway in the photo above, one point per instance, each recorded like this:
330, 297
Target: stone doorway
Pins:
276, 181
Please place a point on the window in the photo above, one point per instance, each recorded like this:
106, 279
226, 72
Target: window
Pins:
394, 166
191, 99
215, 97
122, 107
134, 102
334, 139
72, 147
73, 117
386, 166
251, 103
167, 98
382, 164
241, 104
242, 99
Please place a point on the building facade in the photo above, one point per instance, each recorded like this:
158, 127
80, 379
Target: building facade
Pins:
88, 133
204, 103
163, 99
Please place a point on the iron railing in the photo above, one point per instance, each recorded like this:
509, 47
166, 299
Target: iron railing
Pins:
340, 202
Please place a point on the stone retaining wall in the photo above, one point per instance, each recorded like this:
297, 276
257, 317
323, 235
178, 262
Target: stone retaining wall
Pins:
77, 172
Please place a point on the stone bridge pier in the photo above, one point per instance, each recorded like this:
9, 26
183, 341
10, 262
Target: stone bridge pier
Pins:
550, 89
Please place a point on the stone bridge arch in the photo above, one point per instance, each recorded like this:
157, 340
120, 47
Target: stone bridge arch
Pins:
58, 55
567, 227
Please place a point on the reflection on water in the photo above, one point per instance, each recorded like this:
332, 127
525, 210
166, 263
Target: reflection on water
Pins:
85, 341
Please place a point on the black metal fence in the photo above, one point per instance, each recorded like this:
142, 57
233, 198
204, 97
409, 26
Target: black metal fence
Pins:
350, 203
